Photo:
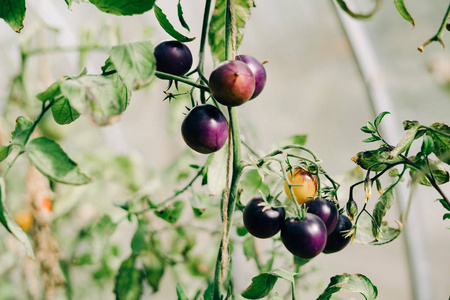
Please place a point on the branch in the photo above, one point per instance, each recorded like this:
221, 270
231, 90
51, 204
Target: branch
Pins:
438, 36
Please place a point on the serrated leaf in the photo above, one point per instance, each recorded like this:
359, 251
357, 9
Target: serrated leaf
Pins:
167, 26
48, 157
181, 293
4, 152
63, 113
401, 8
123, 7
128, 281
134, 62
138, 240
170, 213
22, 132
216, 32
181, 17
13, 12
10, 224
359, 16
352, 283
441, 141
51, 92
263, 283
379, 157
97, 96
405, 142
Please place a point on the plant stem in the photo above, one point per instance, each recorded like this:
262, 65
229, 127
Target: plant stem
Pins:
163, 75
438, 36
201, 52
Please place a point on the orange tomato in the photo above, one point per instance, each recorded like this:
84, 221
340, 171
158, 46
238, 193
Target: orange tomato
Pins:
308, 188
25, 220
47, 204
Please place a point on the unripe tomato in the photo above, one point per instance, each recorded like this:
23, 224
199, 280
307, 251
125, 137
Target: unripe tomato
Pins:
205, 129
308, 181
336, 240
258, 71
232, 83
173, 57
304, 238
25, 220
261, 220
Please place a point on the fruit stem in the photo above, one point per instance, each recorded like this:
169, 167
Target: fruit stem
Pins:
163, 75
438, 36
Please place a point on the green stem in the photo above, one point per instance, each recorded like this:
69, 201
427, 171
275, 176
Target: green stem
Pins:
201, 53
163, 75
438, 36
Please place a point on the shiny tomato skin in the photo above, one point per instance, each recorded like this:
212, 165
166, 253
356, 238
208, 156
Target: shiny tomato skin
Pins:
173, 57
302, 193
258, 71
304, 238
325, 210
336, 240
263, 222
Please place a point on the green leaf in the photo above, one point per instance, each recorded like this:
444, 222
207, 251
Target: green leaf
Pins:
297, 140
51, 93
48, 157
380, 117
13, 12
263, 283
63, 113
97, 96
170, 213
165, 24
367, 129
134, 62
410, 124
10, 224
427, 145
251, 184
373, 138
387, 234
154, 271
138, 240
23, 130
197, 204
352, 283
401, 8
444, 204
440, 174
4, 152
385, 202
441, 141
180, 16
123, 7
181, 293
84, 259
216, 32
359, 16
378, 157
128, 281
405, 142
446, 216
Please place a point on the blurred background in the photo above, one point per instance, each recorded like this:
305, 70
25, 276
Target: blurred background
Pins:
314, 87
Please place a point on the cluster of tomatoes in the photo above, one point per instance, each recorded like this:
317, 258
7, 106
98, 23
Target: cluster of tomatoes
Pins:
320, 229
231, 83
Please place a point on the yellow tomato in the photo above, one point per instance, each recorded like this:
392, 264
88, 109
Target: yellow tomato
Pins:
25, 220
307, 190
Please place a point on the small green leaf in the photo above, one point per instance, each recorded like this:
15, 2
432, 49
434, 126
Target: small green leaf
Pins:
379, 118
4, 152
51, 93
23, 130
370, 126
359, 16
48, 157
367, 129
123, 7
138, 240
13, 12
352, 283
405, 142
427, 145
373, 138
170, 213
263, 283
181, 294
128, 281
410, 124
401, 8
385, 202
441, 141
180, 16
134, 62
446, 216
84, 259
216, 32
445, 204
154, 270
251, 184
298, 140
63, 113
165, 24
10, 224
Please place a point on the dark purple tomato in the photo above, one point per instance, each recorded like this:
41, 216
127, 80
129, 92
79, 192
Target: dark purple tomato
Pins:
205, 129
232, 83
336, 240
263, 221
173, 57
258, 71
324, 209
304, 238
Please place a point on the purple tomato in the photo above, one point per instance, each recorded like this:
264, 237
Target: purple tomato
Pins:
324, 209
336, 240
258, 71
173, 57
262, 220
205, 129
